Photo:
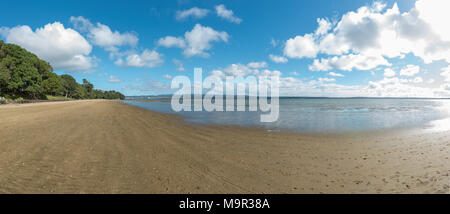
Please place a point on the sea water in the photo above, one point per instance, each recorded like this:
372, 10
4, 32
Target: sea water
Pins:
328, 114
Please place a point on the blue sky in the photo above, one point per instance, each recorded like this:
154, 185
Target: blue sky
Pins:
365, 48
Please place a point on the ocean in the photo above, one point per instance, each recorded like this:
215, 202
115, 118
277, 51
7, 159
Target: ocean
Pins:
319, 115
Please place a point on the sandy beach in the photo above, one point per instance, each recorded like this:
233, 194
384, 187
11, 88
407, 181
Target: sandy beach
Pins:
109, 147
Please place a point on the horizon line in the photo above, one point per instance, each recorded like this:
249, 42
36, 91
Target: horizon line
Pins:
309, 97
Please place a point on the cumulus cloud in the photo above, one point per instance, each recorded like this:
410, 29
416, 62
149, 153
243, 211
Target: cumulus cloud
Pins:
388, 72
195, 42
102, 35
171, 41
349, 62
199, 40
291, 86
147, 59
278, 59
379, 32
194, 12
446, 73
417, 80
224, 13
410, 70
240, 70
396, 87
324, 26
64, 48
301, 46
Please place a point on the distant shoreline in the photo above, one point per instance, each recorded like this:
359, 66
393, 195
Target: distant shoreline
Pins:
156, 97
283, 124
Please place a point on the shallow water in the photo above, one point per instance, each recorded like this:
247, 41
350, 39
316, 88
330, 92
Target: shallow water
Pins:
329, 115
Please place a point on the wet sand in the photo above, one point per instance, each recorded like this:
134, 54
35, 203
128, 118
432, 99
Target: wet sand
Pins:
109, 147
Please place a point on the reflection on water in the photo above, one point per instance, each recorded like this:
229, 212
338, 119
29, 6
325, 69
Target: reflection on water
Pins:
330, 115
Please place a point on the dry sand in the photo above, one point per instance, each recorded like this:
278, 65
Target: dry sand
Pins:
110, 147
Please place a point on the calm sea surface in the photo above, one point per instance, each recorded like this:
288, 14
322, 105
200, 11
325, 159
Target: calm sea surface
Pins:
330, 115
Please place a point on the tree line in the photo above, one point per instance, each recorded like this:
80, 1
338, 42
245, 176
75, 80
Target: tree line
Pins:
24, 75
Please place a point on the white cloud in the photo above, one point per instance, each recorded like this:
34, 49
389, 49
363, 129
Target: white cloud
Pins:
278, 59
435, 13
410, 70
291, 86
446, 73
301, 46
171, 41
194, 12
147, 59
240, 70
64, 48
388, 72
417, 80
224, 13
257, 64
324, 26
195, 42
80, 23
335, 74
167, 76
199, 40
101, 35
395, 87
326, 79
380, 32
235, 70
349, 62
114, 79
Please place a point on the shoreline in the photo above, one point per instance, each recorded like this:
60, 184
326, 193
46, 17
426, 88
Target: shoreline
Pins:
104, 146
43, 102
426, 128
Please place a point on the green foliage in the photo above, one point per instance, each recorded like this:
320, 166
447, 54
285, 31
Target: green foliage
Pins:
52, 85
69, 85
58, 98
89, 87
21, 72
24, 75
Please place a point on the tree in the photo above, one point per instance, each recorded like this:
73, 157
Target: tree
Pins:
80, 93
23, 74
89, 87
69, 85
52, 85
